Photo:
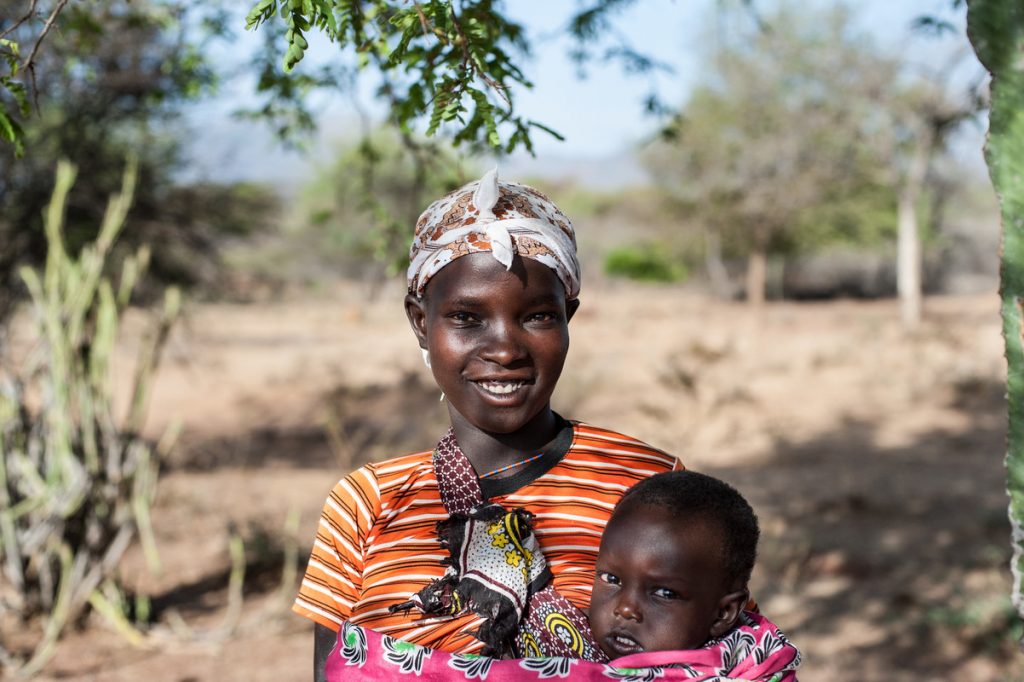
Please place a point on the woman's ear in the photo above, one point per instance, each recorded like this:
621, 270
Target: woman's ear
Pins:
416, 311
729, 608
571, 307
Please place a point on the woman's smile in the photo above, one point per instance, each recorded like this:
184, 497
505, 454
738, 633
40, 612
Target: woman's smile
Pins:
505, 390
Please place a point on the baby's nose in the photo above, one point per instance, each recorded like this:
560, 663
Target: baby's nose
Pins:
627, 609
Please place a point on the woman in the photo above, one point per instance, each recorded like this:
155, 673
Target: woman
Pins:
493, 283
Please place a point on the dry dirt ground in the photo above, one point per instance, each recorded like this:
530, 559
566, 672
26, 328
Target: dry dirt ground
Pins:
873, 457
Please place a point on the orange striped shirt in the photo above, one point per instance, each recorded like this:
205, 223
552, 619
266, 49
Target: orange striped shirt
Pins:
377, 541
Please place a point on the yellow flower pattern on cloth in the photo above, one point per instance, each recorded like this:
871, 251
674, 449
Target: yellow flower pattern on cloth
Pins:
503, 534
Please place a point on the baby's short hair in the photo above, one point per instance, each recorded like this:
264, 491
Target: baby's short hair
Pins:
692, 496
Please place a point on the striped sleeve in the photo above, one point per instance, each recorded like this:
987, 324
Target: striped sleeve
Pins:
333, 581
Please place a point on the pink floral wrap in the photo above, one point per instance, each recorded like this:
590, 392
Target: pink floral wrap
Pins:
504, 219
755, 651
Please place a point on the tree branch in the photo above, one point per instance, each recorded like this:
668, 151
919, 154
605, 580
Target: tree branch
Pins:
423, 20
27, 64
18, 24
472, 66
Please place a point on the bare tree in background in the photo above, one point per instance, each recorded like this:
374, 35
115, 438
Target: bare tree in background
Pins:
777, 128
924, 116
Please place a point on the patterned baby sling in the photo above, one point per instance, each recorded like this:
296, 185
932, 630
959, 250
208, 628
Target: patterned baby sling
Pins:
496, 569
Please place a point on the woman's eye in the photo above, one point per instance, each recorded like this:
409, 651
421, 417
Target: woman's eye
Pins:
543, 317
665, 593
608, 578
461, 317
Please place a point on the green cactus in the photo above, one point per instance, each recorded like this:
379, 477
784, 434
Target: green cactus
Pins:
996, 29
75, 485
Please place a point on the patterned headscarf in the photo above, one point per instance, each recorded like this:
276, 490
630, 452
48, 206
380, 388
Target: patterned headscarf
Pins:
503, 219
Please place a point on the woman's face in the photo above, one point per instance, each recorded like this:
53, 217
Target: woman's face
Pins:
497, 338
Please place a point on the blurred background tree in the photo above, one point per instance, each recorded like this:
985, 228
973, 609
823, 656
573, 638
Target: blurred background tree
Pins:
757, 174
362, 205
803, 135
353, 217
111, 81
921, 118
776, 133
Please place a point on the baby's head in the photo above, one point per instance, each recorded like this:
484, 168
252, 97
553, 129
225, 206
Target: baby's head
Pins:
493, 280
673, 566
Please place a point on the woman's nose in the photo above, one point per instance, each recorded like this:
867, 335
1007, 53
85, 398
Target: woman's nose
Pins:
502, 345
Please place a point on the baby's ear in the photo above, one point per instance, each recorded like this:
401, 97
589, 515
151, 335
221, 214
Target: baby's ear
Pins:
729, 608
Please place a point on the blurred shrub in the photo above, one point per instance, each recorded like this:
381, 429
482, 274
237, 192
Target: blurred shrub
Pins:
76, 483
991, 625
860, 216
193, 226
578, 201
357, 216
648, 263
116, 76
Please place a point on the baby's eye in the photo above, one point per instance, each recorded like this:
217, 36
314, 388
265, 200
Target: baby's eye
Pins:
665, 593
607, 577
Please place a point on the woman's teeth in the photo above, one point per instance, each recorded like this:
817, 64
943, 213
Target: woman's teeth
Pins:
500, 387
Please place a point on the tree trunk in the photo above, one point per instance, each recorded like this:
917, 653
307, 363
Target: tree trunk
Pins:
757, 276
908, 260
717, 273
908, 239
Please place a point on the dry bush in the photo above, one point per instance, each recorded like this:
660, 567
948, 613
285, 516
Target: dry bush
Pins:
75, 484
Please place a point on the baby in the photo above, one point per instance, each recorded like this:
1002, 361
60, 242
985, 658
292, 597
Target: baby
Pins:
668, 601
672, 576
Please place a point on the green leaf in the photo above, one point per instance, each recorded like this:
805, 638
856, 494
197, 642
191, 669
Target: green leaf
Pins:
10, 52
260, 12
550, 131
11, 131
438, 65
7, 129
328, 17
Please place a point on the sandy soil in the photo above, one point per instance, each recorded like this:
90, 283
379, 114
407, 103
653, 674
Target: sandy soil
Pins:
873, 457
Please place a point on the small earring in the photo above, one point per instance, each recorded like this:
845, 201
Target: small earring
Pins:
426, 361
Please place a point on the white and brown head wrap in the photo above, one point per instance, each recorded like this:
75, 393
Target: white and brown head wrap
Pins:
502, 218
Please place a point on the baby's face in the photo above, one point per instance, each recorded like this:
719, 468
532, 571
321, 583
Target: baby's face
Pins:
659, 582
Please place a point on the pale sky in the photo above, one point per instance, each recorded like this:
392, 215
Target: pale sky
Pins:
600, 116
